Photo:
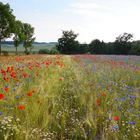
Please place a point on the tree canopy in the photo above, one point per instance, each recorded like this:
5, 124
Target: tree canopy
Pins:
122, 44
18, 34
28, 39
67, 43
7, 20
23, 32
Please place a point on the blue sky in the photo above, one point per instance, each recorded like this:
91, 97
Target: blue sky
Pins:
102, 19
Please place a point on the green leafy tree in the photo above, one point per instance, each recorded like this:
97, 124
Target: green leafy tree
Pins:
135, 50
30, 45
96, 47
54, 51
109, 48
83, 48
123, 44
7, 20
18, 35
67, 44
27, 37
44, 51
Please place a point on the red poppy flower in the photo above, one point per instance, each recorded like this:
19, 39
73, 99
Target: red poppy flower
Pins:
98, 104
2, 96
18, 69
12, 68
30, 68
8, 69
6, 89
6, 79
61, 65
21, 107
3, 72
61, 78
116, 118
98, 101
13, 74
25, 75
30, 93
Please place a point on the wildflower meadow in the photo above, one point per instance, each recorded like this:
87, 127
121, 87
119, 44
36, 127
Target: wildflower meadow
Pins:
77, 97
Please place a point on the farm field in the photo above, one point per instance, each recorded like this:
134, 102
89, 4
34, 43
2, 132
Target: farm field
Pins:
37, 47
77, 97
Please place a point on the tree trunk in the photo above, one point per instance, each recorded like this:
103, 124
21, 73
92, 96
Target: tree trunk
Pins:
16, 51
0, 46
26, 50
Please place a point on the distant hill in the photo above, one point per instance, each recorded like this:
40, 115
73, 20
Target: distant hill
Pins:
11, 43
9, 46
50, 43
7, 42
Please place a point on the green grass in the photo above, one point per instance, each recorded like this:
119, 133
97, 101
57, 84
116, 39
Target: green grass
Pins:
69, 98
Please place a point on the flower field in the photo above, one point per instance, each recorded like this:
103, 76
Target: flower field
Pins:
77, 97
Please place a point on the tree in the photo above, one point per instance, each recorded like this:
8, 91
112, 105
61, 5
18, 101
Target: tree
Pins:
109, 48
122, 44
18, 35
27, 37
30, 45
126, 37
135, 49
44, 51
96, 47
6, 22
83, 48
67, 43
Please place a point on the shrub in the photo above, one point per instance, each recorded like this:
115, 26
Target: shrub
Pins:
54, 51
44, 51
5, 53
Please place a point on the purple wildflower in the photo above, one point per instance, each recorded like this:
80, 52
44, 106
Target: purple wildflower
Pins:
132, 122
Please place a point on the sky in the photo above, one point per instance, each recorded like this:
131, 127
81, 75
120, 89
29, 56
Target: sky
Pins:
91, 19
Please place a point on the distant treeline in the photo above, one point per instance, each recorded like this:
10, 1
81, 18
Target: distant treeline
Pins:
12, 43
123, 44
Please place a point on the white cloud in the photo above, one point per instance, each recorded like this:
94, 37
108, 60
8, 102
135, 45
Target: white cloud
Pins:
88, 9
